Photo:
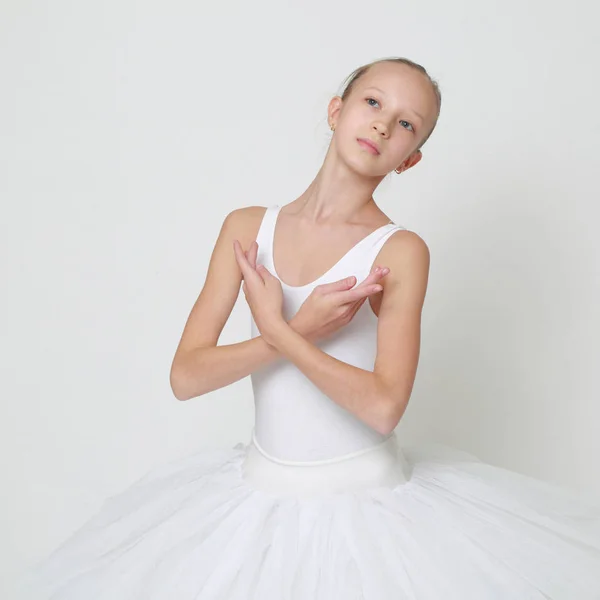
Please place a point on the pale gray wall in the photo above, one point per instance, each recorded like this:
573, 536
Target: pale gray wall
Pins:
129, 131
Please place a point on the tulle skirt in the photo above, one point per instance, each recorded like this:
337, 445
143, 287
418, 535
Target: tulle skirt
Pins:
424, 522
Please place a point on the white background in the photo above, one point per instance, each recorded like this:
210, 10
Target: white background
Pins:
130, 129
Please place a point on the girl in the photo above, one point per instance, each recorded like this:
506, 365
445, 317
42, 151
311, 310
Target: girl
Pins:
323, 503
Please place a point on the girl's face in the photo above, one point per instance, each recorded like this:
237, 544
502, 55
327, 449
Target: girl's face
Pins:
392, 106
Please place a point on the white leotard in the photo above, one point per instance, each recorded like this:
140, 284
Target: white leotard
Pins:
295, 420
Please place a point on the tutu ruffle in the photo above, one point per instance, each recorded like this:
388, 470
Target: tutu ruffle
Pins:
458, 529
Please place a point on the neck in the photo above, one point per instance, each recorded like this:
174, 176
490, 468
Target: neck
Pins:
338, 194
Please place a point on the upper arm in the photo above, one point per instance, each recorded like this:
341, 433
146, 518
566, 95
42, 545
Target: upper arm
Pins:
222, 284
399, 326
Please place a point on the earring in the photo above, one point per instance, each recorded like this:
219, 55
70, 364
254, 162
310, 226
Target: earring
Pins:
332, 127
400, 171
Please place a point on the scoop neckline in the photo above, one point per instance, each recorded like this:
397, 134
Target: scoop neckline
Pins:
315, 281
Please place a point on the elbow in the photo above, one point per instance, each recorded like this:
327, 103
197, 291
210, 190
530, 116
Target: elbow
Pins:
385, 427
392, 404
390, 416
176, 382
177, 392
183, 386
179, 396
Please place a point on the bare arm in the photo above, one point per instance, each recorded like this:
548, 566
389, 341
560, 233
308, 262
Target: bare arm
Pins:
377, 397
202, 370
199, 365
351, 387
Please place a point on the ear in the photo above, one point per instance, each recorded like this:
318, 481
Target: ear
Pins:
333, 109
411, 161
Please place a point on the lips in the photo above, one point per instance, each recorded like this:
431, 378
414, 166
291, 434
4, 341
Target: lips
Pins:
369, 144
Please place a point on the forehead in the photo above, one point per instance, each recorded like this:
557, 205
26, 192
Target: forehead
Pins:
402, 82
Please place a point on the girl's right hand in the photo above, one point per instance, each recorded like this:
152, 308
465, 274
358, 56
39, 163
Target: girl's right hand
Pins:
331, 306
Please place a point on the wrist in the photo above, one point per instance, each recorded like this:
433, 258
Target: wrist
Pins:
270, 350
275, 331
296, 324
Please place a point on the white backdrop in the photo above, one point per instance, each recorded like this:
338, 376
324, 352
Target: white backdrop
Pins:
129, 131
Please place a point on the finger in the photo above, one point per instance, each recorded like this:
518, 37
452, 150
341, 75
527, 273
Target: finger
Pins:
356, 305
341, 284
364, 287
266, 274
250, 257
246, 255
374, 277
357, 293
377, 273
248, 273
252, 253
263, 272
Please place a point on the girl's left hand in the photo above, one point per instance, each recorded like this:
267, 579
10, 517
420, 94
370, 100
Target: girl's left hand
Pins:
263, 292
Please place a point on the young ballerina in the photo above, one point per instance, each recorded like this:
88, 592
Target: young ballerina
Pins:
323, 503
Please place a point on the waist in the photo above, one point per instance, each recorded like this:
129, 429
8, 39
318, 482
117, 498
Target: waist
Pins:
381, 465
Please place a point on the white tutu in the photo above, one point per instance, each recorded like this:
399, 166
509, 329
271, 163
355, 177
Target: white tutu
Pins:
457, 528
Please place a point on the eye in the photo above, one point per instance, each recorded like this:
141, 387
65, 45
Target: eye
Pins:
409, 124
412, 128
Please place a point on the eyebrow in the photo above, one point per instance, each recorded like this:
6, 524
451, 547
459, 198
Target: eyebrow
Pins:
383, 93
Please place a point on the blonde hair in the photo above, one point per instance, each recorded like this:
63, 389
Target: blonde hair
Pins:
351, 80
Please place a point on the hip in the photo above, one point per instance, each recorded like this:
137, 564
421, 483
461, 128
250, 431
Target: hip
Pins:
382, 465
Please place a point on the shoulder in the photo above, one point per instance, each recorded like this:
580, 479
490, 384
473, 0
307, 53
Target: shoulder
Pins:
405, 286
246, 215
405, 250
243, 223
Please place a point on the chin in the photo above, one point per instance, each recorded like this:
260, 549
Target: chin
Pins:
360, 167
356, 164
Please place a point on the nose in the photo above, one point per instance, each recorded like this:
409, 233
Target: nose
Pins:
381, 128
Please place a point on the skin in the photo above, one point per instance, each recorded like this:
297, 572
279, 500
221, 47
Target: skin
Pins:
338, 199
